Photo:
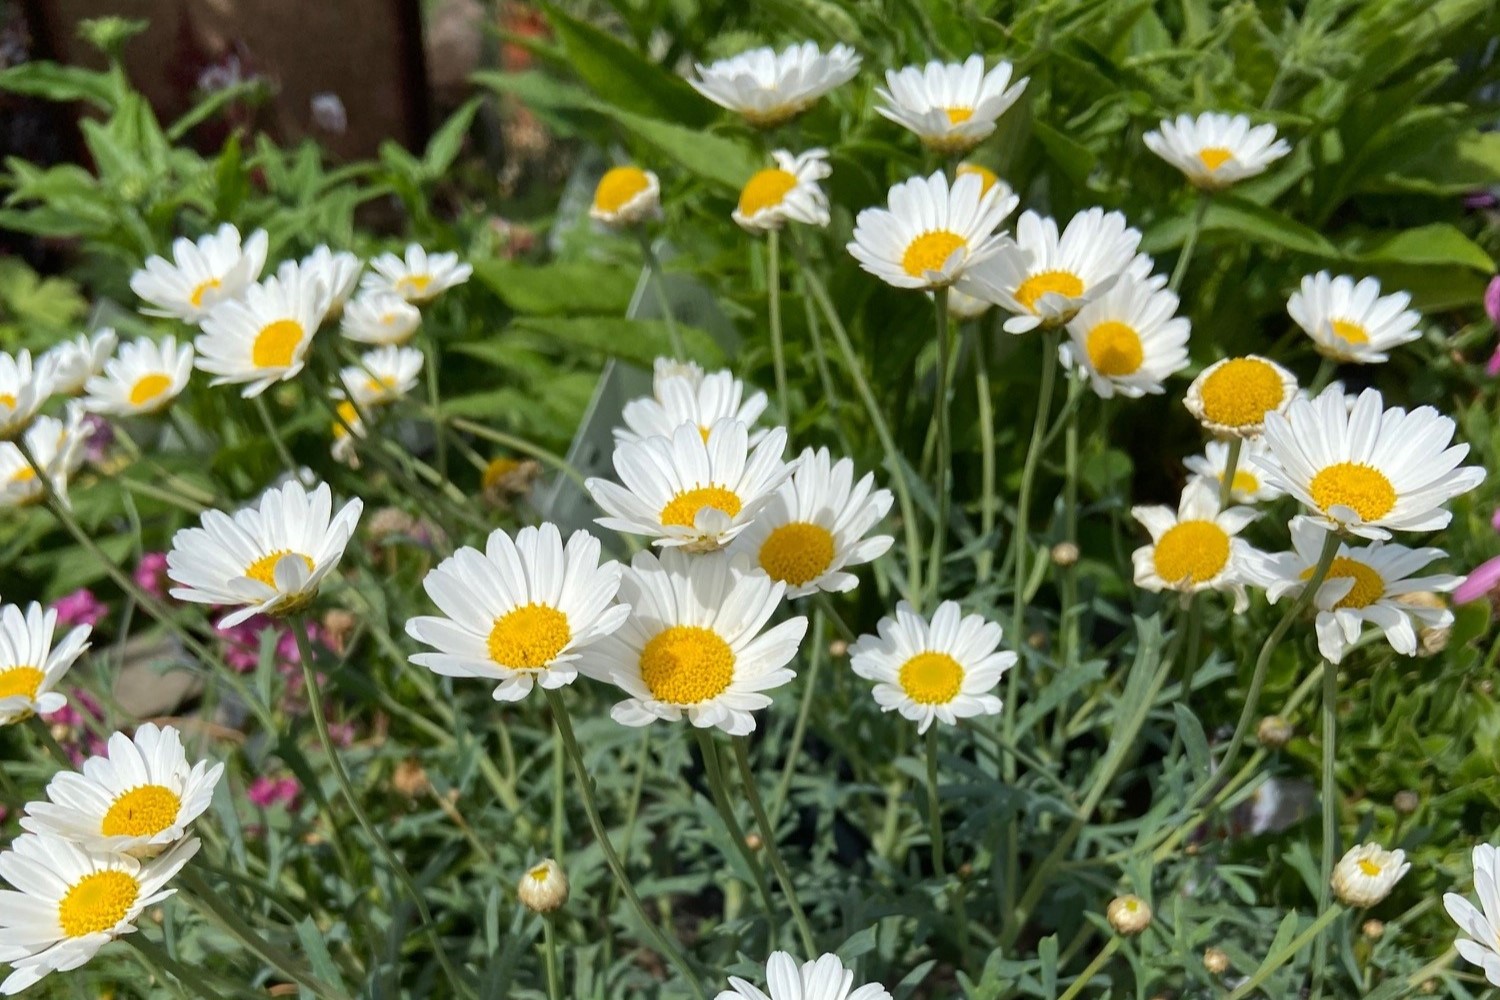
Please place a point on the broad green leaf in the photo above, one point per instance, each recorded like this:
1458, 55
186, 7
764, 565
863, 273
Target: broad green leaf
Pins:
1228, 214
1435, 245
56, 82
559, 288
446, 143
1075, 160
635, 340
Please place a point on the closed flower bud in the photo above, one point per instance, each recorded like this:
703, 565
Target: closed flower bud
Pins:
1216, 961
1128, 915
1274, 732
1406, 802
544, 887
1365, 875
1064, 554
753, 841
1373, 929
838, 649
1431, 640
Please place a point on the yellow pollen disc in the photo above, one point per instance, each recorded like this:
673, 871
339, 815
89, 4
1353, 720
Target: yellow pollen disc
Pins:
276, 344
1241, 392
21, 682
202, 289
686, 665
97, 902
1062, 282
24, 474
1354, 333
682, 509
797, 553
1192, 551
931, 678
348, 417
414, 284
1351, 484
1244, 482
1369, 867
957, 116
766, 189
539, 873
1368, 585
141, 812
148, 387
703, 433
529, 637
1115, 349
987, 177
6, 399
384, 383
1215, 157
930, 251
618, 186
497, 470
264, 568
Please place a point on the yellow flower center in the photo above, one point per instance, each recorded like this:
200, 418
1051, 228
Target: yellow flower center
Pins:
686, 665
618, 186
930, 251
1352, 484
539, 873
264, 568
97, 902
1369, 867
931, 678
1241, 392
149, 387
683, 509
987, 177
497, 470
141, 812
202, 289
797, 553
1062, 282
1115, 349
1368, 586
1215, 157
6, 399
21, 682
529, 637
24, 474
766, 189
1244, 482
382, 385
1192, 552
957, 116
348, 417
1354, 333
414, 285
276, 344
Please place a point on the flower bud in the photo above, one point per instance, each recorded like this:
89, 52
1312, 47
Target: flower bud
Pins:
754, 841
838, 649
1274, 732
409, 779
1366, 873
1064, 554
1373, 929
1431, 639
544, 887
1128, 915
1406, 802
1216, 961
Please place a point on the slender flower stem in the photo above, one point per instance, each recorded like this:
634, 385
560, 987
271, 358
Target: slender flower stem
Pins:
773, 307
1330, 815
192, 979
945, 447
718, 785
1280, 958
46, 739
799, 730
549, 936
435, 403
1068, 626
1231, 465
658, 286
1190, 243
274, 433
1324, 375
934, 805
773, 854
984, 559
1089, 971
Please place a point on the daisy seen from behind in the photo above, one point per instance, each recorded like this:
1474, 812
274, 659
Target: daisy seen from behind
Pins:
57, 448
1196, 547
263, 338
951, 107
626, 195
824, 978
931, 233
200, 275
382, 375
702, 400
24, 387
30, 665
1129, 340
766, 87
380, 318
338, 270
1216, 150
417, 276
1481, 923
1234, 396
786, 192
1351, 321
76, 361
1250, 484
144, 377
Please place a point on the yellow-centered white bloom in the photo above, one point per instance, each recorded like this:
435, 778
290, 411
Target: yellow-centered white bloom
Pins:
1366, 874
30, 665
931, 234
382, 375
138, 798
1233, 397
951, 107
521, 612
144, 377
1250, 483
1216, 150
822, 979
544, 887
57, 446
1353, 322
269, 559
418, 277
200, 275
766, 87
1367, 470
987, 177
76, 361
380, 318
944, 670
24, 387
338, 270
347, 429
815, 527
69, 902
692, 644
1195, 547
262, 339
699, 399
626, 195
665, 368
1482, 945
1128, 340
786, 192
692, 490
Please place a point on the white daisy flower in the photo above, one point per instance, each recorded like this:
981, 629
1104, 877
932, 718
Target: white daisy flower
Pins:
1196, 547
1368, 470
944, 671
689, 490
962, 306
347, 429
338, 270
1128, 340
418, 278
144, 377
1353, 322
70, 902
1366, 584
30, 666
138, 798
987, 177
1366, 874
665, 368
200, 275
823, 979
521, 612
1216, 150
702, 400
626, 195
767, 88
24, 387
57, 446
380, 318
815, 527
1233, 397
382, 375
76, 361
1250, 484
262, 338
951, 107
1482, 945
269, 558
787, 192
692, 644
931, 234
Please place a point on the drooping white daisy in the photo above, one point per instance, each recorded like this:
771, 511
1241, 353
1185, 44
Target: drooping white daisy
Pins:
1233, 397
30, 666
787, 192
702, 401
1250, 484
931, 234
57, 446
1368, 470
1366, 874
24, 387
1128, 340
951, 107
815, 527
144, 377
692, 644
380, 318
269, 558
70, 902
137, 799
1195, 547
690, 490
382, 375
200, 275
76, 361
766, 87
626, 195
944, 670
822, 979
1482, 945
262, 339
962, 306
1216, 150
338, 270
1353, 322
418, 278
521, 612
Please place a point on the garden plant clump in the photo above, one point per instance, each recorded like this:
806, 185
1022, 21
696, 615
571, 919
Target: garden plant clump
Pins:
940, 503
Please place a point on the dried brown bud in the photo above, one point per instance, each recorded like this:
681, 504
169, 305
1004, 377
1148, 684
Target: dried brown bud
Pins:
753, 841
966, 870
390, 521
506, 478
1064, 554
1274, 732
1406, 801
838, 649
1037, 640
1372, 929
1216, 961
410, 780
1128, 915
337, 625
1430, 640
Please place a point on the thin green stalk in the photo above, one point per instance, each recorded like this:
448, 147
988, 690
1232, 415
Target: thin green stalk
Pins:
1190, 243
1231, 465
1326, 369
435, 403
1069, 613
984, 560
934, 805
193, 979
274, 433
945, 447
187, 489
799, 730
658, 286
549, 935
1286, 954
773, 307
773, 853
1330, 816
718, 785
44, 736
1100, 960
559, 782
519, 444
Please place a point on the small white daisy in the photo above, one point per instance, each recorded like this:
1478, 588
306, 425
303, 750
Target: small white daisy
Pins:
1233, 397
263, 338
1250, 484
57, 446
1128, 340
418, 278
30, 666
1353, 322
1195, 547
767, 87
1366, 874
144, 377
702, 400
931, 234
1216, 150
346, 430
787, 192
626, 195
665, 368
382, 375
521, 612
76, 361
24, 387
380, 318
339, 271
200, 275
962, 306
1482, 945
270, 558
822, 979
987, 177
951, 107
943, 671
815, 527
692, 644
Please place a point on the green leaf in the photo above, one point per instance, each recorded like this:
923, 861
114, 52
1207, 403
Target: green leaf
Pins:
315, 947
1074, 159
446, 143
56, 82
1435, 245
559, 288
714, 157
636, 340
1193, 739
1229, 214
625, 78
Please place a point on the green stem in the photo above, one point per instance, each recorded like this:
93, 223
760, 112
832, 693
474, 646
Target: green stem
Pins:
799, 730
718, 786
554, 982
658, 286
988, 499
773, 854
1190, 243
945, 448
1330, 815
435, 403
519, 444
46, 739
1286, 954
1105, 954
274, 433
1231, 465
1070, 613
934, 805
1326, 369
773, 307
193, 979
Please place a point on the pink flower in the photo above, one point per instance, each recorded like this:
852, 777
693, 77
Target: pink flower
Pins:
1480, 583
80, 607
151, 573
1492, 300
1495, 519
267, 792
